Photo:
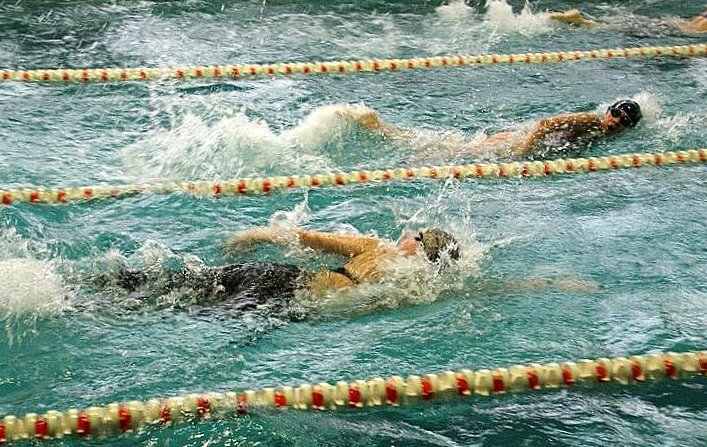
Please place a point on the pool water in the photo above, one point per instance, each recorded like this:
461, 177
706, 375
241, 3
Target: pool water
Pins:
554, 269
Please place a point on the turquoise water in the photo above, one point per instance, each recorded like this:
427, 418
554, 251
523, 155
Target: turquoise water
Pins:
555, 269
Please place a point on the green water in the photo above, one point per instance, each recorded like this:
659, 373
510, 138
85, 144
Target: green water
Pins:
636, 236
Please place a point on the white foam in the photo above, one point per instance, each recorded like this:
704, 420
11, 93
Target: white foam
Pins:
447, 146
30, 287
455, 10
650, 106
325, 125
236, 146
499, 16
672, 128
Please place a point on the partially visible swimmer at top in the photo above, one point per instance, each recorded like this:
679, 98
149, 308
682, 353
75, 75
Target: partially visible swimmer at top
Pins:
695, 25
245, 286
549, 137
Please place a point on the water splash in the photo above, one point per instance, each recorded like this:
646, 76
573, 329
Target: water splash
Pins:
500, 17
332, 130
325, 125
30, 288
454, 11
674, 131
413, 280
232, 147
118, 285
237, 146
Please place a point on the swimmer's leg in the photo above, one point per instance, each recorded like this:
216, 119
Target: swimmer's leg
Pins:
124, 278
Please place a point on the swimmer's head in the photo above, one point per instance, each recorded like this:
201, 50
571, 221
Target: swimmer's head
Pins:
436, 242
622, 115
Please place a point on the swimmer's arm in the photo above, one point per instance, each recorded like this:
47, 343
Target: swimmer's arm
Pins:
577, 123
572, 17
694, 26
341, 244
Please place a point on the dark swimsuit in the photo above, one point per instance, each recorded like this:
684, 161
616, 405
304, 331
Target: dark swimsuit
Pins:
242, 286
343, 271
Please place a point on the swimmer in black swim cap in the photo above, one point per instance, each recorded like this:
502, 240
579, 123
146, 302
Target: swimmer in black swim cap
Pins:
550, 137
561, 133
621, 115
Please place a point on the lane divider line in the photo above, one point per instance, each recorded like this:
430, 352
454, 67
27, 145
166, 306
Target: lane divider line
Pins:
270, 185
117, 418
251, 71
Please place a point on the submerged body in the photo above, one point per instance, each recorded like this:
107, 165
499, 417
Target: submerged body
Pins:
239, 286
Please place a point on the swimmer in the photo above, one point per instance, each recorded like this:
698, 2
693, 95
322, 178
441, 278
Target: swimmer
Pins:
549, 137
696, 25
245, 286
576, 130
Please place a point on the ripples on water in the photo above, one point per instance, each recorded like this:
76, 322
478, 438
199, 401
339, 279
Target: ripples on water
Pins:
554, 269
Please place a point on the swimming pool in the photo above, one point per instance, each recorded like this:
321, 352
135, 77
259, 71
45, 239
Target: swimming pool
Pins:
630, 241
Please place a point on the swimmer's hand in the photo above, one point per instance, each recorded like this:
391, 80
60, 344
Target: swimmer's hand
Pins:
246, 240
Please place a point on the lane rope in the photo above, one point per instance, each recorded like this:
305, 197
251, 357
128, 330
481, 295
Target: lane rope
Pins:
251, 71
269, 185
116, 418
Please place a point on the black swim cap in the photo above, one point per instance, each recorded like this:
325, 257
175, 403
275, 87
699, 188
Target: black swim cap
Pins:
632, 110
436, 241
